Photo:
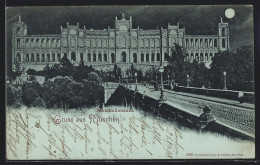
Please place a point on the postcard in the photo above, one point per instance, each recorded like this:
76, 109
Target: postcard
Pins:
130, 82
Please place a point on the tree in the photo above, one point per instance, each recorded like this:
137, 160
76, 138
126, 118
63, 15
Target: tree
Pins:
238, 65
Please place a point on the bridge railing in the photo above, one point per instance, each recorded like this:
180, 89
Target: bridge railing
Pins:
228, 94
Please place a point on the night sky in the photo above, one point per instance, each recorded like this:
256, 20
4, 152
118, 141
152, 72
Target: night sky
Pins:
195, 19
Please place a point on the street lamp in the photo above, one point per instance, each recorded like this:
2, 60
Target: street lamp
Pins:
155, 79
162, 98
188, 82
136, 81
168, 80
225, 80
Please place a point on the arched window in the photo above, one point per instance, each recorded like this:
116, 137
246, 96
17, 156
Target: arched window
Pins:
191, 57
210, 43
187, 57
197, 56
58, 57
43, 58
192, 42
215, 43
113, 59
223, 32
89, 57
105, 57
123, 41
32, 57
27, 58
73, 56
123, 56
147, 57
99, 57
81, 57
201, 56
211, 56
153, 57
158, 57
206, 43
135, 57
187, 42
206, 57
94, 57
53, 57
37, 57
223, 43
18, 57
142, 57
201, 43
48, 58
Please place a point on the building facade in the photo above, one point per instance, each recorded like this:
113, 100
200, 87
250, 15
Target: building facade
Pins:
122, 45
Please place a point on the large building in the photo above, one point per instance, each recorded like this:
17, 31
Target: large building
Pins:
122, 45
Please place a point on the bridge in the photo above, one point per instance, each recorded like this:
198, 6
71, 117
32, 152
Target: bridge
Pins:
232, 117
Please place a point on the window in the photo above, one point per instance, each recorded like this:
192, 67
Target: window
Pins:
113, 60
18, 57
58, 57
123, 41
27, 58
201, 56
206, 57
81, 57
223, 43
142, 57
158, 57
53, 57
32, 57
123, 56
99, 57
105, 57
215, 43
89, 57
153, 56
73, 56
48, 58
43, 57
37, 58
147, 57
135, 57
94, 57
223, 32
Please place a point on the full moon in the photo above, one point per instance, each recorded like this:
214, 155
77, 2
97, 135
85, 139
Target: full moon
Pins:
230, 13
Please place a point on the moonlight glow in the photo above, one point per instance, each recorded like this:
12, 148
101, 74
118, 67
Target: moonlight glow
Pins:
230, 13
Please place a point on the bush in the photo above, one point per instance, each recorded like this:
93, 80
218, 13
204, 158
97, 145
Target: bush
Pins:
14, 96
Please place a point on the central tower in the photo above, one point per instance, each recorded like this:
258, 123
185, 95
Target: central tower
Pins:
123, 40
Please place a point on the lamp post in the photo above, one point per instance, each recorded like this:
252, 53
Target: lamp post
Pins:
225, 80
136, 81
162, 98
168, 79
188, 82
155, 79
